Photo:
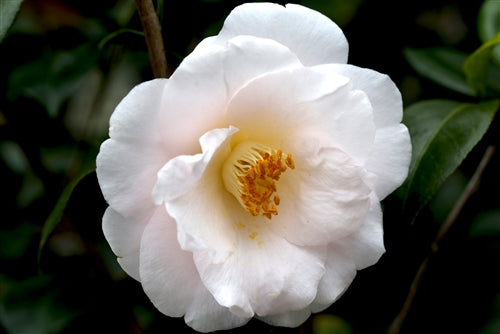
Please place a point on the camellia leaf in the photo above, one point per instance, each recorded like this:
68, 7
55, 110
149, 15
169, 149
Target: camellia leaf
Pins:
8, 12
477, 66
442, 65
489, 20
443, 133
56, 214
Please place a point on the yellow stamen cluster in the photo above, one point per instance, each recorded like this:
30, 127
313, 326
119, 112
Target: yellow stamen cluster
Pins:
251, 173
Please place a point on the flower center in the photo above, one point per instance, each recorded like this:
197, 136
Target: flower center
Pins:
250, 174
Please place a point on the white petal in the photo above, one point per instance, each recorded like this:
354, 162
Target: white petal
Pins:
366, 245
390, 158
289, 319
198, 91
248, 57
391, 154
381, 90
314, 101
324, 198
340, 272
194, 194
313, 37
137, 114
194, 101
206, 315
127, 163
124, 237
168, 274
171, 281
265, 274
357, 251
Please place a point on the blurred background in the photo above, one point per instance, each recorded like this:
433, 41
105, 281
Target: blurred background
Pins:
65, 65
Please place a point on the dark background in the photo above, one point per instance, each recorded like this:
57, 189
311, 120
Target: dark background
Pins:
61, 77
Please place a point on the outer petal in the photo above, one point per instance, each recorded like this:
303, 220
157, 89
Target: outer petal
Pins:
324, 198
171, 280
357, 251
390, 158
289, 319
391, 155
381, 90
366, 245
199, 90
265, 274
124, 237
305, 101
313, 37
128, 162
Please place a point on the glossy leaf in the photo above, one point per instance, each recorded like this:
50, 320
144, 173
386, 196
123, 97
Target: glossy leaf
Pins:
442, 65
478, 69
8, 12
56, 214
443, 133
489, 20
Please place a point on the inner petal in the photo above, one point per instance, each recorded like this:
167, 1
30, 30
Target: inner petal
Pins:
251, 173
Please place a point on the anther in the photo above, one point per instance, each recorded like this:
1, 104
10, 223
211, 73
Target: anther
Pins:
251, 172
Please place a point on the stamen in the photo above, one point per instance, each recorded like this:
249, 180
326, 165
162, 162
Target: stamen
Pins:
250, 173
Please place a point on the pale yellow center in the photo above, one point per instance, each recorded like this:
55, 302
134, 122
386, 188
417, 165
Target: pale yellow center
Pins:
251, 173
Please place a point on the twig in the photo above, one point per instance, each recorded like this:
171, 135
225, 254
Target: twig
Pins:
154, 40
471, 188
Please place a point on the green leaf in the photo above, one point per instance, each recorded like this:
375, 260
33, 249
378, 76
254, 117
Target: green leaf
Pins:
54, 77
34, 306
478, 69
443, 133
56, 214
489, 20
8, 12
442, 65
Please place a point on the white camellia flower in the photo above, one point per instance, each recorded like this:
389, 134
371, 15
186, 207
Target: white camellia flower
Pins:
249, 183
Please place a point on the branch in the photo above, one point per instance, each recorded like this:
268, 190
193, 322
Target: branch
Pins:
154, 41
471, 188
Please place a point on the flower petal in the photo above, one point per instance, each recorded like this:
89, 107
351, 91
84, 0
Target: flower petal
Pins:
206, 315
198, 91
384, 96
366, 245
391, 154
184, 184
127, 163
314, 101
325, 197
168, 274
171, 281
357, 251
265, 274
390, 159
124, 237
248, 57
288, 319
313, 37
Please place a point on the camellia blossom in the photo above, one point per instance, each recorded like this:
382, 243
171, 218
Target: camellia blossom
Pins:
248, 184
